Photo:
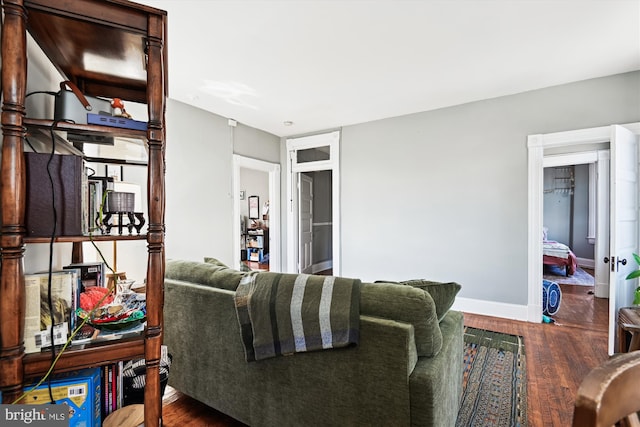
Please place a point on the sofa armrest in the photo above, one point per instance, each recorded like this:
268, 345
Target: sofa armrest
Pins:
405, 304
436, 382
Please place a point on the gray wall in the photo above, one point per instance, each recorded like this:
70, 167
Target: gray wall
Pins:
557, 204
443, 194
253, 183
198, 184
580, 245
565, 226
255, 143
200, 148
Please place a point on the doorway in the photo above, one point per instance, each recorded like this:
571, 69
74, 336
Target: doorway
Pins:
595, 234
595, 139
313, 204
315, 224
256, 240
570, 203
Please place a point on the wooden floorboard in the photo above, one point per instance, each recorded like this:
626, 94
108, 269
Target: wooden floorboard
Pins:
558, 356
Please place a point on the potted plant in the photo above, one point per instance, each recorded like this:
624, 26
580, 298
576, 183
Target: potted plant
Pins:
633, 275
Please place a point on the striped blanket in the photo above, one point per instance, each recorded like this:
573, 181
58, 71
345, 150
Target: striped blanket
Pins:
282, 314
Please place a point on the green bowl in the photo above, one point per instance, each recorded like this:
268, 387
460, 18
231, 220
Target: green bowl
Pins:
119, 325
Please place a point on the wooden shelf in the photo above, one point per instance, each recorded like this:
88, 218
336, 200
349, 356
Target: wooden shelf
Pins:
110, 49
74, 239
113, 33
85, 356
87, 129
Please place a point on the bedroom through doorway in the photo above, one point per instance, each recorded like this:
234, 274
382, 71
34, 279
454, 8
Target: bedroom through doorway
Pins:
568, 248
615, 151
570, 207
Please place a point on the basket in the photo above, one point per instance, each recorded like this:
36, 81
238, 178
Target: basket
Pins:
551, 297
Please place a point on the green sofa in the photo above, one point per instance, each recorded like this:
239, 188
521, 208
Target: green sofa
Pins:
405, 371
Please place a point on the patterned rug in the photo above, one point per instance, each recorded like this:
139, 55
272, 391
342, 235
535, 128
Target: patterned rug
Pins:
494, 387
556, 274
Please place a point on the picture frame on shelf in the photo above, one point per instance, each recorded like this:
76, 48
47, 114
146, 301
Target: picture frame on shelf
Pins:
254, 207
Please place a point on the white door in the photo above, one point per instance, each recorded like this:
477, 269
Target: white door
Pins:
325, 148
305, 224
623, 223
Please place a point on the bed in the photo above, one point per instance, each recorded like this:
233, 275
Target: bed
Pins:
555, 253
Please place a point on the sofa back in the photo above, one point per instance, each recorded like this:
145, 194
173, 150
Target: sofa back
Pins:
385, 300
214, 274
363, 385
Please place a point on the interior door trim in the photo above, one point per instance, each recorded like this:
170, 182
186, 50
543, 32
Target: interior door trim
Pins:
591, 139
331, 139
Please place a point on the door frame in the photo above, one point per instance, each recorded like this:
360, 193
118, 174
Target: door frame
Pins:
624, 203
589, 139
273, 170
332, 140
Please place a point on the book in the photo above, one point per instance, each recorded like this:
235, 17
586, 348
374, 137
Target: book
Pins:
91, 274
84, 202
80, 390
112, 388
38, 318
104, 399
97, 187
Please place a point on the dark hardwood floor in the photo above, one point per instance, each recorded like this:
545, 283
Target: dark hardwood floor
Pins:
558, 356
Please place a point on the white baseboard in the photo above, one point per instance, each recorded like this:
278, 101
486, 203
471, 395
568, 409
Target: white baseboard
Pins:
601, 290
325, 265
495, 309
584, 262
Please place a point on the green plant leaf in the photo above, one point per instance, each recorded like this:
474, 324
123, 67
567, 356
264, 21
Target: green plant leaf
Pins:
637, 258
633, 275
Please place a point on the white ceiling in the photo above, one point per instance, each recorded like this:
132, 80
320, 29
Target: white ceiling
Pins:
325, 64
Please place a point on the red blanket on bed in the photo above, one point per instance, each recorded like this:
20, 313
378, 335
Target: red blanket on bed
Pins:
570, 263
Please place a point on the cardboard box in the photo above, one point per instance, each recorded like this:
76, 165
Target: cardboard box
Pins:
80, 390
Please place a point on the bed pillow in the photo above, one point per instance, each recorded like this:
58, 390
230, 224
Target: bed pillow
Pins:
443, 293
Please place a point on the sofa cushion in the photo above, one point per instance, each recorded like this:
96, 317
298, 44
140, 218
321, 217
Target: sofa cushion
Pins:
215, 261
443, 293
216, 275
406, 304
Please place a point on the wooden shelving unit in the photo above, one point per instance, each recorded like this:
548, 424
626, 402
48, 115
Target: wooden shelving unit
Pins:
124, 35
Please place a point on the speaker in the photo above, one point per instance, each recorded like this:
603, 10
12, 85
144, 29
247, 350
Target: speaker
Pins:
66, 173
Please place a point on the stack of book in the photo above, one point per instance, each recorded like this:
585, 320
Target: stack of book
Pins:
112, 390
63, 287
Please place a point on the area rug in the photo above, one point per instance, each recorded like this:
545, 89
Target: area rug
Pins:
580, 277
494, 387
